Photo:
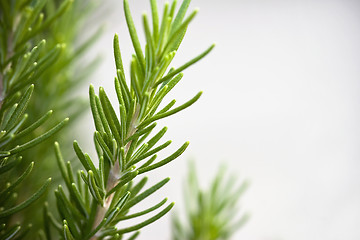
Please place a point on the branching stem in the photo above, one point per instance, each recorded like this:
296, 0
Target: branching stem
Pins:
113, 176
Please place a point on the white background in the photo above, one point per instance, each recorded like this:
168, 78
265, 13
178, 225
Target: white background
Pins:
280, 108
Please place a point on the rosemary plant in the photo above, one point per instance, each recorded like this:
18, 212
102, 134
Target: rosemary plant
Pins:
100, 198
210, 215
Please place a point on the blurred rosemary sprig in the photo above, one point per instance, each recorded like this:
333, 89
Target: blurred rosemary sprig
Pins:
210, 214
37, 57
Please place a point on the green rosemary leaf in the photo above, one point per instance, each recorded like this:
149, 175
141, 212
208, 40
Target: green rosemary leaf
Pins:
138, 152
61, 164
167, 107
159, 71
165, 24
50, 217
74, 212
117, 195
150, 161
62, 208
79, 201
146, 222
10, 233
41, 138
10, 165
150, 44
67, 233
110, 114
123, 122
102, 172
81, 156
70, 172
95, 113
138, 214
145, 194
124, 88
137, 188
84, 177
112, 212
166, 160
186, 65
20, 108
180, 15
133, 35
79, 182
155, 19
103, 119
7, 139
130, 117
144, 106
149, 153
117, 54
19, 180
122, 159
177, 36
104, 147
171, 112
95, 230
131, 150
94, 188
94, 171
27, 202
171, 83
156, 137
134, 236
86, 189
119, 91
172, 9
46, 223
8, 115
33, 126
135, 85
157, 100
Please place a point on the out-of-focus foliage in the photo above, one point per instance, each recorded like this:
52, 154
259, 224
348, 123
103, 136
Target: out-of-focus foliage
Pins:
211, 214
37, 61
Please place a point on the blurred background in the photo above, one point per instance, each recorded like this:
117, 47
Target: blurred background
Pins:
280, 108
